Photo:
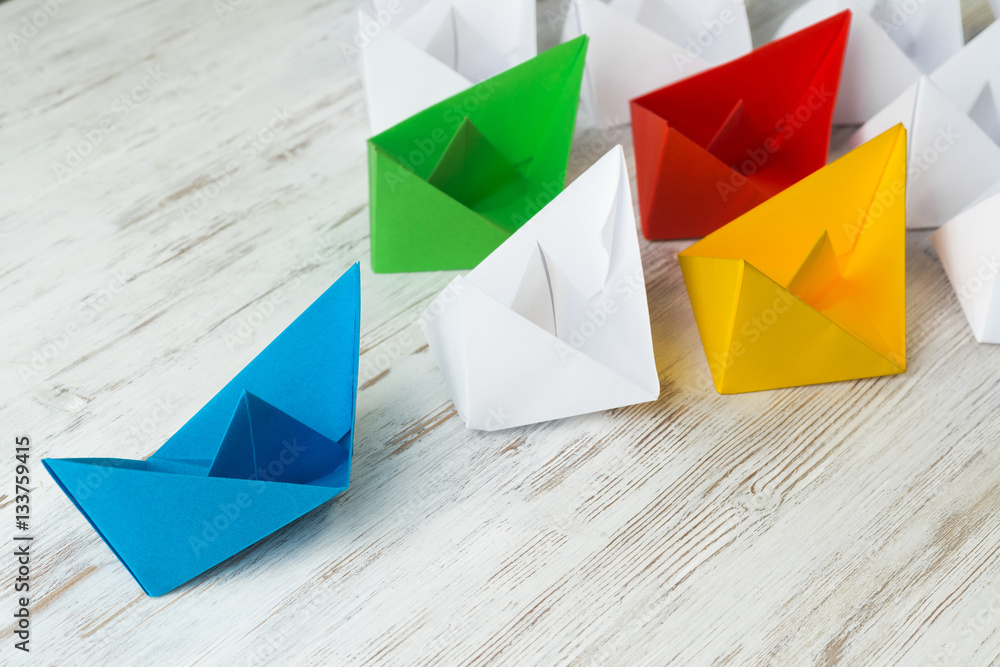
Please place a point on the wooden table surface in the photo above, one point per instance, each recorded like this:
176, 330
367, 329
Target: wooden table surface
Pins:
181, 179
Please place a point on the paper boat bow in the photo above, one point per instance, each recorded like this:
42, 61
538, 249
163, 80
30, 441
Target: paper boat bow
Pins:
554, 322
273, 444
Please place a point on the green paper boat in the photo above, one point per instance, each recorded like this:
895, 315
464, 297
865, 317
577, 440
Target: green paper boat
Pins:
451, 183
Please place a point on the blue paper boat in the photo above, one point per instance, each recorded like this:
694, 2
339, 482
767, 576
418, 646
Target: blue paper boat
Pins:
275, 443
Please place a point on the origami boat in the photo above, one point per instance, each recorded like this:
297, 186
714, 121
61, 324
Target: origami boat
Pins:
554, 323
810, 286
451, 183
712, 146
273, 444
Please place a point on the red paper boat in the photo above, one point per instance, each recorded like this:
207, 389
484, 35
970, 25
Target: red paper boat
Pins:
715, 145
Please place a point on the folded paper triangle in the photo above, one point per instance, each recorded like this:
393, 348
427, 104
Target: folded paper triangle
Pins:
273, 444
471, 168
449, 184
952, 160
892, 42
460, 45
809, 287
985, 111
928, 32
554, 323
969, 249
971, 79
713, 146
640, 45
417, 54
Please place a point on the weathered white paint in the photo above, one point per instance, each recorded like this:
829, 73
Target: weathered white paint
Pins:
853, 522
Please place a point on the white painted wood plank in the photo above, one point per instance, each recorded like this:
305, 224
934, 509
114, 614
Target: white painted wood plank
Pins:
848, 523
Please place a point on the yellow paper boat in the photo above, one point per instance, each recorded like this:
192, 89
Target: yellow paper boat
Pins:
809, 286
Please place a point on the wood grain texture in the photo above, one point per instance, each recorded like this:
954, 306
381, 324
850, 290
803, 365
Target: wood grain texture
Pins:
850, 523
